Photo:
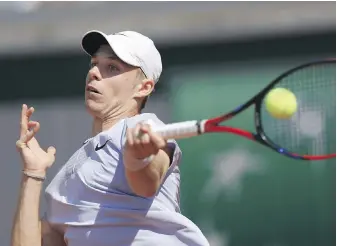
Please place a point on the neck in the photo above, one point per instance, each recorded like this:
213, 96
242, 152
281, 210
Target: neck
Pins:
103, 124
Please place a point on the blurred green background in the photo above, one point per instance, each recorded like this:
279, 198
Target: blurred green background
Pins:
251, 195
215, 56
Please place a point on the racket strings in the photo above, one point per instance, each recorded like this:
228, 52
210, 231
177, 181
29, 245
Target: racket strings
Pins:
312, 129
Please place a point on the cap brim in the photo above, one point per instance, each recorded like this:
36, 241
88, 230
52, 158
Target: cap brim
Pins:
92, 41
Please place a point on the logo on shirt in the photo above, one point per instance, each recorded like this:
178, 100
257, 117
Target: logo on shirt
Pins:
97, 148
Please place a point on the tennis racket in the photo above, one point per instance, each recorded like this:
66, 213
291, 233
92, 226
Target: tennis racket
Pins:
310, 133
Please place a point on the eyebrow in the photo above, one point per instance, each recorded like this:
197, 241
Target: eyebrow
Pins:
112, 57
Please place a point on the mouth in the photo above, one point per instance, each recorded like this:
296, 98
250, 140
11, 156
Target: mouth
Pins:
92, 89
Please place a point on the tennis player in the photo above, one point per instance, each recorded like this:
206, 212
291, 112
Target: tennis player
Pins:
121, 187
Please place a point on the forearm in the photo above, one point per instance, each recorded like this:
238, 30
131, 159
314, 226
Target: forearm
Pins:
27, 226
146, 181
26, 230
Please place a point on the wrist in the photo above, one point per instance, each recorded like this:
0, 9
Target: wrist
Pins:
38, 175
25, 180
135, 164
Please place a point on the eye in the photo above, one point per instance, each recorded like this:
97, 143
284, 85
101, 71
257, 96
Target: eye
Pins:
92, 64
113, 68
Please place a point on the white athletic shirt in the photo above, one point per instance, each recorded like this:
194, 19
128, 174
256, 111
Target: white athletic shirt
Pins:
90, 200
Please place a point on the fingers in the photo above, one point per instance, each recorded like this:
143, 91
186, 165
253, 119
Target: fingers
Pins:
20, 145
28, 140
137, 134
23, 122
146, 142
129, 137
26, 136
33, 128
27, 128
25, 116
31, 124
30, 111
145, 138
143, 141
156, 139
51, 151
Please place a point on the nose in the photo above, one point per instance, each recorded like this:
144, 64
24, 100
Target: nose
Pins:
94, 74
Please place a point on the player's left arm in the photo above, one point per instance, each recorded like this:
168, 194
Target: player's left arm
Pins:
146, 159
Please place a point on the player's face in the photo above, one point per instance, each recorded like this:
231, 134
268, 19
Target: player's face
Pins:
111, 84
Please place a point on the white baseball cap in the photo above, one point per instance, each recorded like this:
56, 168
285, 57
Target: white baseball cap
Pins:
131, 47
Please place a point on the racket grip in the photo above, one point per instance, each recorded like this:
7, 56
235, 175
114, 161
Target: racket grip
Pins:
184, 129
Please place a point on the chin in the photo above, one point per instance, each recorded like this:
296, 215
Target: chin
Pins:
93, 108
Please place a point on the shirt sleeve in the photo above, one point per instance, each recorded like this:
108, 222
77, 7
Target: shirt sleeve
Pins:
177, 153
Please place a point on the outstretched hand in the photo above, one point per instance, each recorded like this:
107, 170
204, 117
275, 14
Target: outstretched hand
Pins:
35, 160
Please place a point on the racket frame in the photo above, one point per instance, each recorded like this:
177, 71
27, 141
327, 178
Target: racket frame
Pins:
193, 128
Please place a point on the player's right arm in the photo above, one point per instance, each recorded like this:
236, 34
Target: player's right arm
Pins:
28, 229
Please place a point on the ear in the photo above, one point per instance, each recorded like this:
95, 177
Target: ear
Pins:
144, 88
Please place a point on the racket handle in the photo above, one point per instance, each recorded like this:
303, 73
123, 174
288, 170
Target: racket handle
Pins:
184, 129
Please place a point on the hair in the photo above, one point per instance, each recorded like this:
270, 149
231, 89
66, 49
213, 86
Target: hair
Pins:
143, 104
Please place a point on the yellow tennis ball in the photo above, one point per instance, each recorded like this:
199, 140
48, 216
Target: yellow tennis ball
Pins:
281, 103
